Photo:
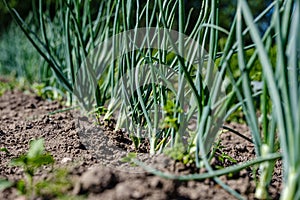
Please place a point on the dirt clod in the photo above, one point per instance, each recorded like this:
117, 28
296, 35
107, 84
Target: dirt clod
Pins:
95, 180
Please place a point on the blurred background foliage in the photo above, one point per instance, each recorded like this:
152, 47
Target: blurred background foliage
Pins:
18, 58
5, 19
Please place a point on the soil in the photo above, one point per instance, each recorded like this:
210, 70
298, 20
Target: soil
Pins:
91, 155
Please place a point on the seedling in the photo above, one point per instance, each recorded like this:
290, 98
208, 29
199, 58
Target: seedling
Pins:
4, 184
98, 112
8, 85
55, 186
181, 152
170, 121
5, 150
31, 162
130, 158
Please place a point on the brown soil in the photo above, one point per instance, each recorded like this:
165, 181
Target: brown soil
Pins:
92, 160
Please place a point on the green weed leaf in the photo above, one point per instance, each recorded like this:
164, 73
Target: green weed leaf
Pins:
40, 160
4, 184
36, 148
36, 157
21, 186
20, 161
5, 150
129, 157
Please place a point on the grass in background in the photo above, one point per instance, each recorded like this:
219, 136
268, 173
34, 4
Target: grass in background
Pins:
23, 65
18, 58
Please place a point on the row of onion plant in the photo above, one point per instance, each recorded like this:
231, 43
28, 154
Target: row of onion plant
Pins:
146, 62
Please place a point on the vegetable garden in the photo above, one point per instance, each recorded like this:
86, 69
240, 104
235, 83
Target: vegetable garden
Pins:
158, 81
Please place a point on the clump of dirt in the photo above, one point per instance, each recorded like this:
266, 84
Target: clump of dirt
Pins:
92, 154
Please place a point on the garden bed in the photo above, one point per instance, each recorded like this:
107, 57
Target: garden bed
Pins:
92, 175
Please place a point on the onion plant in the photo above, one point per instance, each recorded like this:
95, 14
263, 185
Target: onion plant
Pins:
145, 70
65, 40
160, 80
137, 81
282, 80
